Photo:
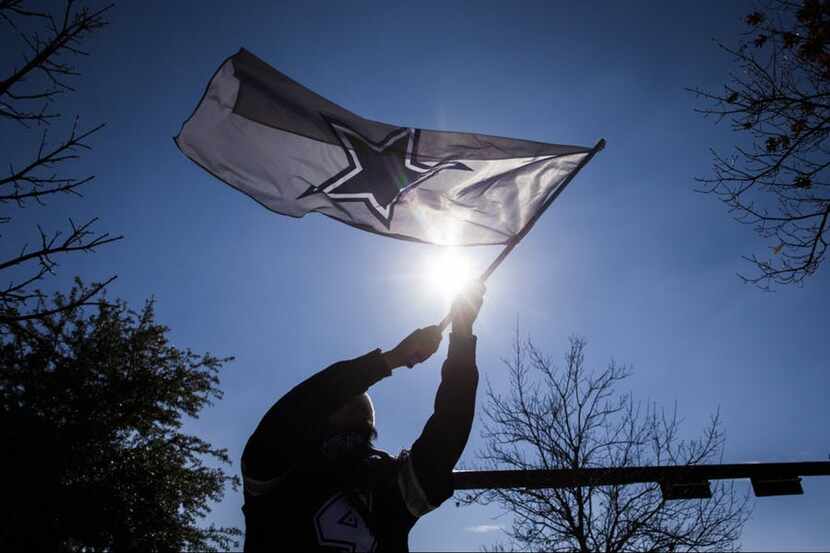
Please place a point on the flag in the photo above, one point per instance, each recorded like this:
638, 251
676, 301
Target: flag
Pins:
295, 152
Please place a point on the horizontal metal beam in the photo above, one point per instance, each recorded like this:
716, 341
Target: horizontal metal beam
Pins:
572, 478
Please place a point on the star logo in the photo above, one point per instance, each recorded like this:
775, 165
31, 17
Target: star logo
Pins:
378, 173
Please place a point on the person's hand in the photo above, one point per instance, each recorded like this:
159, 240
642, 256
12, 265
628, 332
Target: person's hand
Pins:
415, 348
465, 308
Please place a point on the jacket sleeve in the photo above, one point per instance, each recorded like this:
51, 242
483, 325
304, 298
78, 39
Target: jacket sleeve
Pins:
425, 476
294, 425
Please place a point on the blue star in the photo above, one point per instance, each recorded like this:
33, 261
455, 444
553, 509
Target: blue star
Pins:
378, 173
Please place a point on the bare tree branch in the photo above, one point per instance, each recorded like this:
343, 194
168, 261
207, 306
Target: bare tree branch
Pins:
49, 43
572, 418
780, 100
29, 182
9, 317
44, 57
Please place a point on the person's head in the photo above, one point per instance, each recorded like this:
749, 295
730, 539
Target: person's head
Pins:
356, 416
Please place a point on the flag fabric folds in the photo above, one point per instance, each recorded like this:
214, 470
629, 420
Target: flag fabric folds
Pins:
295, 152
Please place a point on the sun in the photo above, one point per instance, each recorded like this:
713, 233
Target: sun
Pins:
449, 272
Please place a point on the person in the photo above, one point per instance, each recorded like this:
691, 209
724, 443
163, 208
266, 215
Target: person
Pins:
312, 479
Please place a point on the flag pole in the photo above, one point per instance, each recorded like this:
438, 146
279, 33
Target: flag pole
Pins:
514, 241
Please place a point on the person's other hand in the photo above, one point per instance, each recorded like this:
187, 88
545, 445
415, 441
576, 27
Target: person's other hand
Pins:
415, 348
465, 308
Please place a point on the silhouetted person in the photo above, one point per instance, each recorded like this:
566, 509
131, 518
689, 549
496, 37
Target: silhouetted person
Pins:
312, 479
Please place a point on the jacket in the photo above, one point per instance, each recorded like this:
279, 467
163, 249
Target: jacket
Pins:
298, 497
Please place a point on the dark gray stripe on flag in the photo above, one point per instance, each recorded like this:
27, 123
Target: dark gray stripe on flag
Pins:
270, 98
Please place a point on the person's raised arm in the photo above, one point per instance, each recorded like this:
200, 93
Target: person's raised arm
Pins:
298, 420
426, 475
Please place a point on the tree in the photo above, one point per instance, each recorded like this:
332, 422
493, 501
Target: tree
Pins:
574, 418
28, 94
92, 402
779, 102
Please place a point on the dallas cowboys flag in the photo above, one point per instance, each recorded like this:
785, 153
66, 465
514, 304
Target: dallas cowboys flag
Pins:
296, 152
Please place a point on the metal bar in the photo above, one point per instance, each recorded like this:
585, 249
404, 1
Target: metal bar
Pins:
572, 478
514, 241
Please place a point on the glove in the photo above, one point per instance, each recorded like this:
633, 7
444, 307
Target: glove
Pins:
465, 308
415, 348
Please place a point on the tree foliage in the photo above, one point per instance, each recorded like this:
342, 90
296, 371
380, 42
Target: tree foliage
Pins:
92, 402
778, 100
29, 93
573, 418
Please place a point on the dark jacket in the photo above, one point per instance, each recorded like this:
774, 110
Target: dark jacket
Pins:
297, 498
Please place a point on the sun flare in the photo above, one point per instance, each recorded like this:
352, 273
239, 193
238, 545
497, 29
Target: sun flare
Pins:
449, 272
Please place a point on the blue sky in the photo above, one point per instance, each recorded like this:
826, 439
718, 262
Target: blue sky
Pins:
629, 256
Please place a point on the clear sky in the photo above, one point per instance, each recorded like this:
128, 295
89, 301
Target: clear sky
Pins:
629, 256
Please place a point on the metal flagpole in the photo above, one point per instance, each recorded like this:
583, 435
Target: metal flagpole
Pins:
522, 233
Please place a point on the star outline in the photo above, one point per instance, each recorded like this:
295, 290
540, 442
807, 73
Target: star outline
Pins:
344, 135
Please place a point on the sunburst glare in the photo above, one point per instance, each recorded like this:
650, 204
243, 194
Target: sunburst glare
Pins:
449, 272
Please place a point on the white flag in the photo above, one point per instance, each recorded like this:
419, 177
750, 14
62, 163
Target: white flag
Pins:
295, 152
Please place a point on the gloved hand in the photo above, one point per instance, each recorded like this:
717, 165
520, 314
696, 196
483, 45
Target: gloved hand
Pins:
415, 348
465, 308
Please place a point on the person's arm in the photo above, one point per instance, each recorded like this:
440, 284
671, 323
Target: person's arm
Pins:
425, 478
297, 421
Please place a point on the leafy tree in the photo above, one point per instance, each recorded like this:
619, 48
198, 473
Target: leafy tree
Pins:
92, 402
29, 93
778, 100
572, 418
92, 395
